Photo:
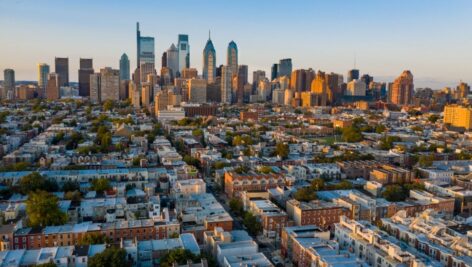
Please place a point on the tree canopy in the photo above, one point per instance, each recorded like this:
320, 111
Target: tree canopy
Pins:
43, 210
110, 257
35, 181
100, 185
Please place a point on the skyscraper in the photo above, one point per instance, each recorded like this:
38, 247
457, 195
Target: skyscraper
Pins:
462, 91
301, 79
95, 93
109, 84
321, 90
274, 74
209, 62
356, 88
43, 71
8, 84
85, 70
257, 76
124, 67
164, 60
62, 69
285, 67
53, 87
197, 91
232, 57
352, 75
184, 51
145, 48
402, 89
367, 79
226, 81
173, 60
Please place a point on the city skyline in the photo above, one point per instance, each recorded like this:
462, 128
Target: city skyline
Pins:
342, 33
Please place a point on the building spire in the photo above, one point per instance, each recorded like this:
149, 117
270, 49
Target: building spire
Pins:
209, 34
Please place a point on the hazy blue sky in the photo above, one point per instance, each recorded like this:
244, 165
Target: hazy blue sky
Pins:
432, 38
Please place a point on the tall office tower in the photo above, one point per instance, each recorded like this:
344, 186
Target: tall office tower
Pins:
62, 69
263, 89
274, 74
356, 88
239, 82
166, 76
43, 71
197, 91
462, 91
232, 57
161, 101
321, 90
301, 79
144, 70
85, 70
226, 81
173, 60
146, 93
53, 87
367, 79
124, 89
257, 76
219, 71
284, 82
214, 91
8, 84
124, 67
109, 84
402, 89
135, 94
243, 72
189, 73
209, 62
334, 83
145, 48
285, 67
95, 92
164, 60
352, 75
184, 52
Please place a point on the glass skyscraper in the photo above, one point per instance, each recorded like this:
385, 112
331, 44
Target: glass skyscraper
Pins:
43, 71
209, 61
184, 51
145, 48
124, 67
232, 57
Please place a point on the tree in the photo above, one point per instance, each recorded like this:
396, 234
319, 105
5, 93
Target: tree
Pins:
426, 160
351, 134
282, 150
236, 205
73, 196
318, 184
394, 193
220, 165
35, 181
43, 210
108, 105
386, 142
94, 238
380, 128
254, 227
49, 264
70, 186
433, 118
343, 185
179, 255
305, 194
100, 185
110, 257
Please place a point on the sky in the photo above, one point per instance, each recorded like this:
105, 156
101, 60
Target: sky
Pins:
432, 38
